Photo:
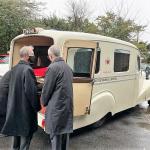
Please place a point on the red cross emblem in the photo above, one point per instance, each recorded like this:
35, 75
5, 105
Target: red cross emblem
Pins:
107, 61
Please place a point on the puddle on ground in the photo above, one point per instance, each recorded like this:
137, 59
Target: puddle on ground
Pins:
144, 125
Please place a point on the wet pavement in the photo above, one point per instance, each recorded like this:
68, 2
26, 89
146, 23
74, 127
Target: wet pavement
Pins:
129, 130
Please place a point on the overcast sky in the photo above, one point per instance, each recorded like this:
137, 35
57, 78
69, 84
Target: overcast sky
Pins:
138, 10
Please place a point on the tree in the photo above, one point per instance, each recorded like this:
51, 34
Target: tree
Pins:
89, 27
116, 26
54, 22
117, 23
79, 12
77, 20
14, 16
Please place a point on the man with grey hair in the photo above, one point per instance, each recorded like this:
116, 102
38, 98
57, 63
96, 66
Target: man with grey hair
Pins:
22, 102
26, 51
53, 51
57, 96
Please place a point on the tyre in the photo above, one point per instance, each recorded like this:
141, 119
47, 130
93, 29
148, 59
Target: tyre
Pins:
100, 122
148, 102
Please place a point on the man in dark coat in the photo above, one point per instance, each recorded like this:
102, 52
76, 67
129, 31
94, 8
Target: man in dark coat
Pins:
23, 104
57, 96
4, 86
147, 71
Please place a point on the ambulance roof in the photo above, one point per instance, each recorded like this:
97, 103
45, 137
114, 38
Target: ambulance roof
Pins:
67, 35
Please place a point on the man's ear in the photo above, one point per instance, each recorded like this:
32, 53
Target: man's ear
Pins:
51, 58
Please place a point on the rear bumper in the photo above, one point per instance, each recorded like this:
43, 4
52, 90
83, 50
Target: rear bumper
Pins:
41, 120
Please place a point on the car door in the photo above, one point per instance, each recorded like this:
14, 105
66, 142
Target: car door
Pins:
80, 55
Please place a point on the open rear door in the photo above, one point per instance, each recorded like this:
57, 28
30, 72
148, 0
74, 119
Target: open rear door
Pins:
81, 57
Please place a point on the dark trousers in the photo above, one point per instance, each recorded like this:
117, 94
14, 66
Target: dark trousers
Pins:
60, 142
21, 142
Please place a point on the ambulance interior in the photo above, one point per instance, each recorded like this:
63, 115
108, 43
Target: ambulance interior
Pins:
41, 62
41, 45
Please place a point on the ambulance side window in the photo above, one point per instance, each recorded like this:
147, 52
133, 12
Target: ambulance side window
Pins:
138, 63
80, 60
121, 60
97, 68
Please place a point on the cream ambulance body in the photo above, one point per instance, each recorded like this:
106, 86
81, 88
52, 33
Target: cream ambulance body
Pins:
107, 76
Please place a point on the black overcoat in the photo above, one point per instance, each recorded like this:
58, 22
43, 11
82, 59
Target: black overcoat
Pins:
23, 104
57, 96
4, 86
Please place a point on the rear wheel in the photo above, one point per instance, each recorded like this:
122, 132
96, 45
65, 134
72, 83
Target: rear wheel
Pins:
148, 102
100, 122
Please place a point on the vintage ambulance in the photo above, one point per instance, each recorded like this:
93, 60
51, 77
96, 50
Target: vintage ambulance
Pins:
107, 76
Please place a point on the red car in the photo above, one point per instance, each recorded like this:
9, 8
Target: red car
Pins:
4, 64
4, 58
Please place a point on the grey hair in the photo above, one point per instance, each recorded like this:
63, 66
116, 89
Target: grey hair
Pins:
54, 50
26, 51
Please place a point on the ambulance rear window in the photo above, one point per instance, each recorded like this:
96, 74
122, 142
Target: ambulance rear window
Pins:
80, 61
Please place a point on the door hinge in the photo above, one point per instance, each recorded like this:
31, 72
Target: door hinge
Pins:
87, 111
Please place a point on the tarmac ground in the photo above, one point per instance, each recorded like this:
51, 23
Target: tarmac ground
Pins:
128, 130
